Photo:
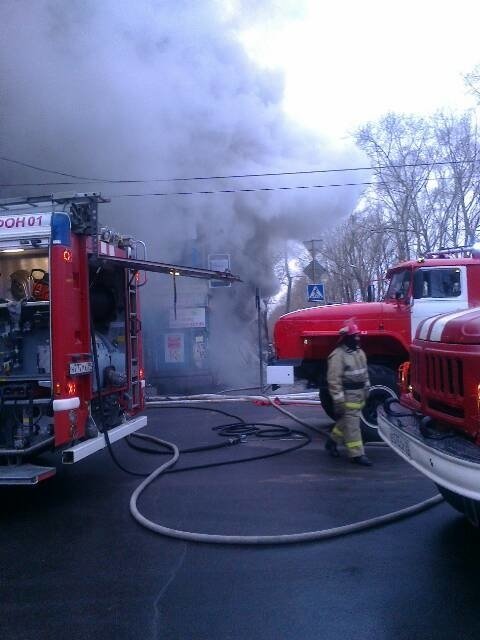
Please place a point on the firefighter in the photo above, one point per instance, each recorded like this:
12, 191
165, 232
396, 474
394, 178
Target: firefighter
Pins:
348, 384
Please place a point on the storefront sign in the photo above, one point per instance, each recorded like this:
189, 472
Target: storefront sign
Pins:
188, 318
174, 348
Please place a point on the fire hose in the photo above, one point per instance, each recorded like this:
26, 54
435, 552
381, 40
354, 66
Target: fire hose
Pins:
307, 536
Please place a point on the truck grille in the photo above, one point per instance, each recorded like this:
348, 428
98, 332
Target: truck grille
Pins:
444, 384
441, 375
444, 375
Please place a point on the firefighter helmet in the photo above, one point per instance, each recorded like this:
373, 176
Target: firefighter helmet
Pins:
349, 329
40, 286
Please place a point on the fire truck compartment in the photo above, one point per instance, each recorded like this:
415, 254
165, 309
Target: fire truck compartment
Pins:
108, 300
26, 422
24, 319
450, 459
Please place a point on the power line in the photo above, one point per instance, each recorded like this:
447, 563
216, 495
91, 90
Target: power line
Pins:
250, 190
265, 189
261, 189
85, 180
58, 173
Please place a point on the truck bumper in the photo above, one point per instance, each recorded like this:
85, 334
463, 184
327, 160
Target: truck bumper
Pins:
452, 462
88, 447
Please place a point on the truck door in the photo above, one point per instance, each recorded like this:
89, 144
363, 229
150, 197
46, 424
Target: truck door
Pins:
71, 349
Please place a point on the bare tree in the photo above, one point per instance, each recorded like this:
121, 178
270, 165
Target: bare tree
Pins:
472, 80
458, 195
426, 179
357, 254
398, 147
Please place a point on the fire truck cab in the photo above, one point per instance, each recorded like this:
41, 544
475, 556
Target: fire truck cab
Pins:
71, 363
439, 282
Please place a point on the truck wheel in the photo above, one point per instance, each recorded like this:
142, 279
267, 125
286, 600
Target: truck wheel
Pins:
466, 506
383, 385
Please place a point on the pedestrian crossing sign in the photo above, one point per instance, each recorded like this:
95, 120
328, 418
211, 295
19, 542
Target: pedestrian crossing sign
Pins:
316, 292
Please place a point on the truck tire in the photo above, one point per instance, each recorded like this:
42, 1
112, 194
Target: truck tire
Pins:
383, 383
466, 506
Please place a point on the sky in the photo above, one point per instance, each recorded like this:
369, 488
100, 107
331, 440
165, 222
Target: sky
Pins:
349, 62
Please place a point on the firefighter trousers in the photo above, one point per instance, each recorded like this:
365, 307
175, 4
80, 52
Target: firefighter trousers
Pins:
347, 431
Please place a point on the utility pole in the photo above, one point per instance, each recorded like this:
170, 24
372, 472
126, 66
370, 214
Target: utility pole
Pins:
260, 341
313, 252
313, 259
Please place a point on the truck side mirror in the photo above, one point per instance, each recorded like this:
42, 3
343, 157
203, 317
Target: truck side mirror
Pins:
371, 293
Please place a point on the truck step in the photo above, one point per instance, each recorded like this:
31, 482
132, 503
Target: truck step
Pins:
25, 474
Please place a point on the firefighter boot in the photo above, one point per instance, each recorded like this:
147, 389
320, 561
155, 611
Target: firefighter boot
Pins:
362, 460
331, 447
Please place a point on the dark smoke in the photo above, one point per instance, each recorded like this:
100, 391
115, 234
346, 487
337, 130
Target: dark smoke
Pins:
155, 89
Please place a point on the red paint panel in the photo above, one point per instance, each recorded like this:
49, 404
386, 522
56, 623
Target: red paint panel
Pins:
312, 333
70, 334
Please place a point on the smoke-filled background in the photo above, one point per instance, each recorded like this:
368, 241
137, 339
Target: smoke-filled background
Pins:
151, 90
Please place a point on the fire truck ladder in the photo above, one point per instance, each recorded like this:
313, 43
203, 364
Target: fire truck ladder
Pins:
133, 346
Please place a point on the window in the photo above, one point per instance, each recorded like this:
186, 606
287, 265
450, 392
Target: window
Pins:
399, 284
437, 283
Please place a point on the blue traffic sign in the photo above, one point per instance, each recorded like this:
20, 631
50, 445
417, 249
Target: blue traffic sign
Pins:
316, 292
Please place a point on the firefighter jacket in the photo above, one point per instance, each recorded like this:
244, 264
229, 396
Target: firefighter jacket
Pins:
347, 376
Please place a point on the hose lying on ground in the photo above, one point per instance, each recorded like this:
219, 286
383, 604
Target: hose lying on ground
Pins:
308, 536
291, 538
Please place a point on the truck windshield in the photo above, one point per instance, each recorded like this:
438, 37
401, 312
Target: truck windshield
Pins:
399, 286
437, 283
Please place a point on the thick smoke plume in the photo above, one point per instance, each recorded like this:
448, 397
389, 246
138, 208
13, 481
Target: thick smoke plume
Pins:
159, 89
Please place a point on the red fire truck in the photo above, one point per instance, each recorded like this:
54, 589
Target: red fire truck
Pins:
71, 364
436, 428
438, 282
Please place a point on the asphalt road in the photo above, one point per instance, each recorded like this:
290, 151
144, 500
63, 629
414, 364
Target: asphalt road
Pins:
74, 563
